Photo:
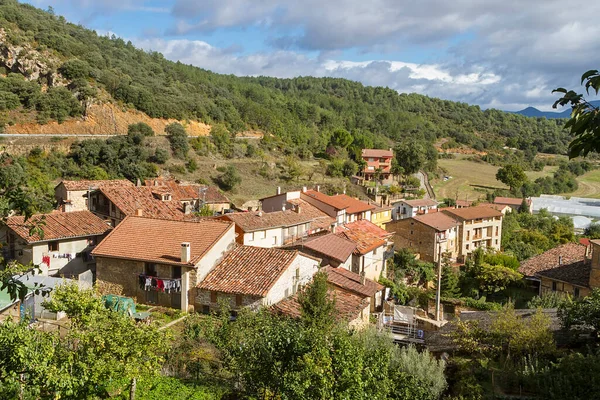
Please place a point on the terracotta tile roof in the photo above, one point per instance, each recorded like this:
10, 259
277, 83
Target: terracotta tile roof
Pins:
576, 273
259, 220
498, 207
349, 280
353, 205
369, 227
58, 226
130, 199
421, 203
477, 212
347, 305
510, 201
379, 208
331, 245
585, 241
567, 253
181, 192
249, 270
438, 221
338, 204
159, 240
86, 184
377, 153
365, 241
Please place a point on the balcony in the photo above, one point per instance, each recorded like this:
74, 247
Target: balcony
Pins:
158, 284
101, 208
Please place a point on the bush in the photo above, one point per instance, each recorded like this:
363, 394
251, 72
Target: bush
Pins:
191, 165
74, 69
230, 178
161, 156
140, 127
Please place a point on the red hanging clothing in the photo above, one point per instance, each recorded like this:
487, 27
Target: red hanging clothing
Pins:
160, 285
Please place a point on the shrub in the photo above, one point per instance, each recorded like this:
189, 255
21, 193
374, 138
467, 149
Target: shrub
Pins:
142, 128
230, 178
160, 156
178, 138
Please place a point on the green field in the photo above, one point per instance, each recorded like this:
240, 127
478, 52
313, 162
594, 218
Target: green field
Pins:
589, 185
471, 180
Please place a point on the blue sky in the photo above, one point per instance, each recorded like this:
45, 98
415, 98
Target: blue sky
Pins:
505, 54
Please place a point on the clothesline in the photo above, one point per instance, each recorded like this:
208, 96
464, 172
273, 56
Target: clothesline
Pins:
166, 285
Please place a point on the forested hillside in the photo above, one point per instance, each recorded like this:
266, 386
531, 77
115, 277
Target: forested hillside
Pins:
56, 69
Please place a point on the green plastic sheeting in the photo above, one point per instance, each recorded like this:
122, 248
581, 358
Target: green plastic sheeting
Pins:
123, 305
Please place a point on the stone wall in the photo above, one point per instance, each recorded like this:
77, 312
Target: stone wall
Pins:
203, 298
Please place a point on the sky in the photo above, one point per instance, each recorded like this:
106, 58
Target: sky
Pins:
505, 54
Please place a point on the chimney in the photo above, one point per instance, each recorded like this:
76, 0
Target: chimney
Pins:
304, 189
139, 212
332, 227
298, 208
185, 252
278, 189
362, 278
138, 183
283, 207
318, 188
559, 260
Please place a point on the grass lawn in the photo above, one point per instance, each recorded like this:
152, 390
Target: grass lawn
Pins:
589, 185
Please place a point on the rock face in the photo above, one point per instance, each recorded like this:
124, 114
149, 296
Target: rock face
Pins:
32, 64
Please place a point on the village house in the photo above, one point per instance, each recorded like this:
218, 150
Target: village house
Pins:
192, 195
411, 208
254, 277
480, 226
382, 215
428, 235
278, 228
158, 261
570, 269
60, 244
377, 161
332, 249
72, 195
513, 202
114, 203
356, 284
372, 248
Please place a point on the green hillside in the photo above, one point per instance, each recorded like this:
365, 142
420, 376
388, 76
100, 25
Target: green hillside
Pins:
301, 112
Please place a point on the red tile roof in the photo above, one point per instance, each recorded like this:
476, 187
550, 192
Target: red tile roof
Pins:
331, 245
477, 212
369, 227
259, 220
130, 199
377, 153
348, 306
567, 253
365, 241
438, 221
159, 240
349, 280
338, 204
181, 192
353, 205
585, 241
87, 184
510, 201
249, 270
421, 203
58, 226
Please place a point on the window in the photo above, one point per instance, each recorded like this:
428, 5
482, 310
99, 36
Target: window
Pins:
263, 234
554, 286
205, 310
467, 247
150, 269
213, 297
52, 246
275, 240
297, 274
576, 292
411, 232
238, 300
496, 242
176, 273
251, 236
496, 231
92, 241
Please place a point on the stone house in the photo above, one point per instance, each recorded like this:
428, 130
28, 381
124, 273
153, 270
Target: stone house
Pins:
372, 248
428, 235
480, 226
115, 203
278, 228
159, 261
571, 269
192, 195
61, 248
354, 283
411, 208
72, 195
377, 159
254, 277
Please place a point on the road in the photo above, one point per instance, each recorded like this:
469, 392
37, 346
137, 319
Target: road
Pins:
425, 185
49, 135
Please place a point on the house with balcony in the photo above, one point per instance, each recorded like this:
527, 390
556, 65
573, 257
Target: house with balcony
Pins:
278, 228
428, 235
480, 226
72, 195
159, 261
59, 243
254, 277
411, 208
382, 215
377, 163
115, 203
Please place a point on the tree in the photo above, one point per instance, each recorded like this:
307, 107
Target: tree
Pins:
140, 127
512, 175
74, 69
318, 310
411, 157
450, 286
230, 178
494, 278
585, 117
221, 138
178, 138
582, 313
341, 138
592, 231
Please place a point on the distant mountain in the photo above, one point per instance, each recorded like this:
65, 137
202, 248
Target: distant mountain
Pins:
534, 112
